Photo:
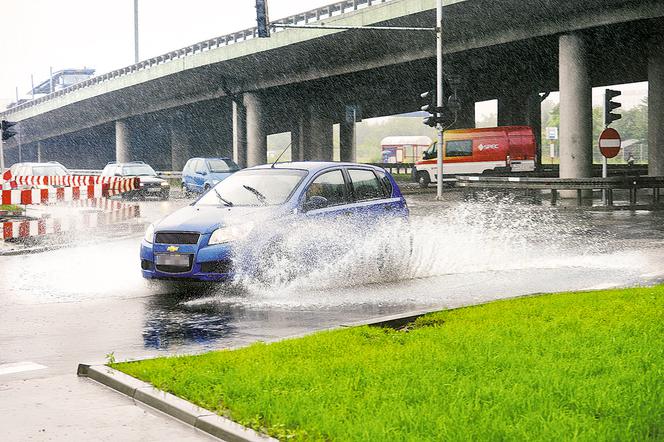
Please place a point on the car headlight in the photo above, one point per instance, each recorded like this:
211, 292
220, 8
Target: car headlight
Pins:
165, 183
230, 233
149, 234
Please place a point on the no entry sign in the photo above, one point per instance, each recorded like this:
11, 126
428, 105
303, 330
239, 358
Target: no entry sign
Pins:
609, 142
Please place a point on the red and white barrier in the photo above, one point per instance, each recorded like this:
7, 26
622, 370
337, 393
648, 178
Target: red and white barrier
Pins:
78, 191
23, 229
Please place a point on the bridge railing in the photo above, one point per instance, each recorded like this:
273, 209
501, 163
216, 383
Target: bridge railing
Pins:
313, 15
168, 174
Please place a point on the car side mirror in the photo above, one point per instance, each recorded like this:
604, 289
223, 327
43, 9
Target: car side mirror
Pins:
203, 172
315, 202
117, 174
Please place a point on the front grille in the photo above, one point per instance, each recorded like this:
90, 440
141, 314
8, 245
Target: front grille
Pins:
176, 238
224, 266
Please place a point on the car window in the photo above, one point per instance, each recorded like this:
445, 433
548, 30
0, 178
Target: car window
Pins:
258, 187
386, 183
138, 170
459, 148
108, 170
200, 166
330, 185
219, 165
186, 167
49, 170
365, 184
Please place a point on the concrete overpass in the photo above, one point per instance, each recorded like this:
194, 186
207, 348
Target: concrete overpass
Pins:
225, 95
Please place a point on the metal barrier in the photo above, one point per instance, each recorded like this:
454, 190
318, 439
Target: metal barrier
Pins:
406, 167
608, 185
313, 15
169, 174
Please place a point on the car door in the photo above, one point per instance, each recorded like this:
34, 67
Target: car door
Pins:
370, 200
200, 174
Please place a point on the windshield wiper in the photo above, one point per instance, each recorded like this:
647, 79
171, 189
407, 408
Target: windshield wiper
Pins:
222, 199
262, 198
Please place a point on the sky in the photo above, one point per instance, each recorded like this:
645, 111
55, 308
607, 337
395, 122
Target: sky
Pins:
99, 34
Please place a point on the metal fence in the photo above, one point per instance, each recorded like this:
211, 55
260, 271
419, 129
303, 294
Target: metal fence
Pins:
313, 15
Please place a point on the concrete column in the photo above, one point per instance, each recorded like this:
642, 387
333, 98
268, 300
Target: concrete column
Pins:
239, 134
466, 115
576, 122
256, 131
180, 141
656, 106
40, 151
319, 145
348, 149
296, 142
122, 141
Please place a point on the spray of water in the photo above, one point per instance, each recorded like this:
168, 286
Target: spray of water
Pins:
491, 234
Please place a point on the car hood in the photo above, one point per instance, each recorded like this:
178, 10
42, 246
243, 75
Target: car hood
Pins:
206, 219
150, 179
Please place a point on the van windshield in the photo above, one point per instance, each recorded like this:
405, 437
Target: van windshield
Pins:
431, 152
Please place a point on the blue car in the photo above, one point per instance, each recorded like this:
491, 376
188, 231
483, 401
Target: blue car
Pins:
245, 219
200, 174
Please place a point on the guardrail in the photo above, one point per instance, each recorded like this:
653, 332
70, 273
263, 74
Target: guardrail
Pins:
608, 185
405, 167
313, 15
160, 173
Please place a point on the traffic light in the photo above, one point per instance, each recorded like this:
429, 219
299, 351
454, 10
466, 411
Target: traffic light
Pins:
609, 106
262, 19
7, 132
432, 120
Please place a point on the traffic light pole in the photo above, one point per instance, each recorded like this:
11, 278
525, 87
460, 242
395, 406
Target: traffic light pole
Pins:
439, 96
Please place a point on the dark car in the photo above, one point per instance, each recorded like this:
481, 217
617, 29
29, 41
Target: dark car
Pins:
151, 185
251, 211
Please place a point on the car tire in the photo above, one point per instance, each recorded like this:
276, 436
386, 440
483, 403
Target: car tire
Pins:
423, 179
165, 195
185, 191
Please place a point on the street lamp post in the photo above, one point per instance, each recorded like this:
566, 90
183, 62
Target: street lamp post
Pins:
439, 96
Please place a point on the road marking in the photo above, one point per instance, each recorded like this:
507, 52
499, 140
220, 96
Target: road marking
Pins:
18, 367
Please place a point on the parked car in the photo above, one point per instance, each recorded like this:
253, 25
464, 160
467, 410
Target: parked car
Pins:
51, 168
256, 207
200, 174
151, 185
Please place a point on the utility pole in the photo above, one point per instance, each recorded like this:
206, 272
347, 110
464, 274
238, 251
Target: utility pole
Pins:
136, 31
439, 96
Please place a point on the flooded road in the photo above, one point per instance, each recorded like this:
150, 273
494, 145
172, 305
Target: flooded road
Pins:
81, 303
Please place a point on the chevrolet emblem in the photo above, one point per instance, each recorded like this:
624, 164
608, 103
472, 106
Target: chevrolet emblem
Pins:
173, 248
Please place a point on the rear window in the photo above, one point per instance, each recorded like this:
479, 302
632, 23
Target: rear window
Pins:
459, 148
365, 184
220, 166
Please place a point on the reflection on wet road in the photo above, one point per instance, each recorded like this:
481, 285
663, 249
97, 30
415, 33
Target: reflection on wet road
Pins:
80, 303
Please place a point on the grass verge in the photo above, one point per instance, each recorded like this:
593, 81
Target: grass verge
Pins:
586, 366
10, 208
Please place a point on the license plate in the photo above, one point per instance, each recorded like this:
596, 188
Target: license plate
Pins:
176, 260
153, 189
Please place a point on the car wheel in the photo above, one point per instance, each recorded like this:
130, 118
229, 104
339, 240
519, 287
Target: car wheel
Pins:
185, 191
206, 188
423, 179
165, 195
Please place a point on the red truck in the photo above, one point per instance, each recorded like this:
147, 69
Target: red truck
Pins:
473, 151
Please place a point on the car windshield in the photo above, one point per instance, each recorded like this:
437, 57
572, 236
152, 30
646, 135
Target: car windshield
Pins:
49, 171
138, 170
258, 187
219, 165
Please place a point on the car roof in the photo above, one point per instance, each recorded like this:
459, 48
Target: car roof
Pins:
32, 163
209, 158
312, 165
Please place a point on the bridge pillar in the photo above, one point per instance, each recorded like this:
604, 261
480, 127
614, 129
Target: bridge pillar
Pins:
656, 106
122, 141
299, 132
180, 142
576, 122
319, 140
40, 151
348, 148
239, 134
256, 130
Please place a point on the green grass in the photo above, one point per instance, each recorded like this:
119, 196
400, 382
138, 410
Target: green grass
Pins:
10, 208
571, 366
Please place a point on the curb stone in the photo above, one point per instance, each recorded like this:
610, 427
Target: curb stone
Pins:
171, 405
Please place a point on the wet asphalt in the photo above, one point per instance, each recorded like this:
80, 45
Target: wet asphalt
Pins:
87, 300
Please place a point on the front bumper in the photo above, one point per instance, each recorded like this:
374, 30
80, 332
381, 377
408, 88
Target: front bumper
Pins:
208, 263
